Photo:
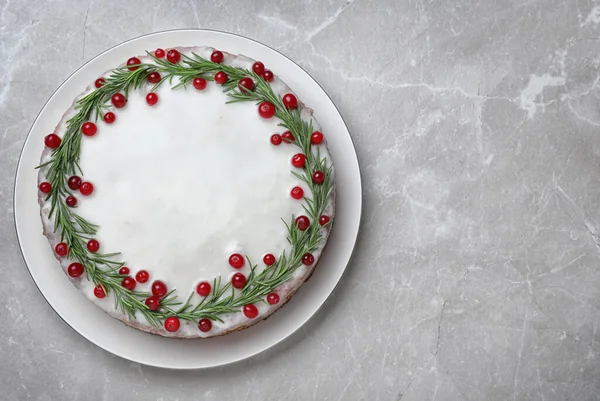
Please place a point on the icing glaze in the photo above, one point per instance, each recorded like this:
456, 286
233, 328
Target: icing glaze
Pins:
181, 185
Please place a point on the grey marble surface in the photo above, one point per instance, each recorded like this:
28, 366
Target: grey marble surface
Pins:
477, 273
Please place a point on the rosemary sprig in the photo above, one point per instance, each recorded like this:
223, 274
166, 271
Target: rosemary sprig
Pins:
103, 271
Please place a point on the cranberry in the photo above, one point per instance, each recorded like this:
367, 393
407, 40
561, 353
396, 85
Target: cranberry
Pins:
250, 311
154, 77
290, 101
109, 117
269, 259
86, 188
132, 62
298, 160
173, 56
99, 82
172, 324
236, 261
258, 68
297, 193
221, 77
129, 283
99, 291
61, 249
238, 280
203, 289
302, 222
142, 276
71, 201
118, 100
316, 137
288, 137
52, 141
266, 110
308, 259
205, 325
45, 187
268, 76
159, 288
75, 270
153, 302
93, 245
273, 298
216, 56
199, 83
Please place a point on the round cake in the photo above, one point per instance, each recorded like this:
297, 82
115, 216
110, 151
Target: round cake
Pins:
188, 192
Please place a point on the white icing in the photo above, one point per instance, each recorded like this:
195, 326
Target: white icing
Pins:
181, 185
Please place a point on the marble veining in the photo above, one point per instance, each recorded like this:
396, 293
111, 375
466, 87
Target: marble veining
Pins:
476, 274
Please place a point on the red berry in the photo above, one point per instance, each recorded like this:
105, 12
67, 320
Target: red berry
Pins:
273, 298
297, 193
323, 220
205, 325
154, 77
99, 291
276, 139
269, 259
238, 280
199, 83
266, 110
172, 324
302, 222
288, 137
290, 101
153, 302
124, 270
159, 53
298, 160
128, 283
258, 68
61, 249
216, 56
151, 98
318, 177
75, 269
133, 61
86, 188
203, 288
93, 245
268, 76
159, 288
236, 261
250, 311
220, 77
99, 82
52, 141
118, 100
74, 182
89, 129
316, 137
142, 276
109, 117
173, 56
71, 201
308, 259
246, 84
45, 187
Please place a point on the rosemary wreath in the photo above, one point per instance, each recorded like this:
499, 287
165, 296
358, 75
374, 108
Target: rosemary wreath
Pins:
103, 270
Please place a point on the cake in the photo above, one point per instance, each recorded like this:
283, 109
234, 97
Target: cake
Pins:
188, 192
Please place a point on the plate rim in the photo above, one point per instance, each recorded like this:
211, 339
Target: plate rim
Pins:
250, 354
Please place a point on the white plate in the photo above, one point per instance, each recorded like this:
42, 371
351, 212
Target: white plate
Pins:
108, 333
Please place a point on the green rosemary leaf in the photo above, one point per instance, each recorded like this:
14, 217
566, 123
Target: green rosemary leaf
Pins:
103, 270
